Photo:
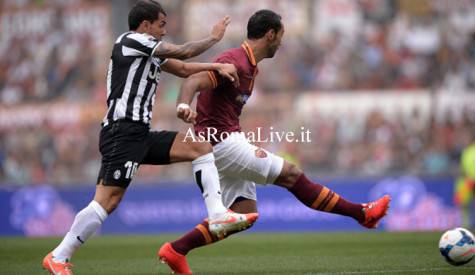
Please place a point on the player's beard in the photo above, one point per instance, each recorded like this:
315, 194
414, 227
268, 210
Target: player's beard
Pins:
271, 52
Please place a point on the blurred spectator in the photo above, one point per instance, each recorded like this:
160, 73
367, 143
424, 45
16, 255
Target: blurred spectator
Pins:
53, 50
392, 45
465, 185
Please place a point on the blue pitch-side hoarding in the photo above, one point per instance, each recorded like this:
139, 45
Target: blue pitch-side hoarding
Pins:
418, 204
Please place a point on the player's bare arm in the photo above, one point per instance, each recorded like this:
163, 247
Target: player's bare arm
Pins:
185, 69
189, 87
194, 48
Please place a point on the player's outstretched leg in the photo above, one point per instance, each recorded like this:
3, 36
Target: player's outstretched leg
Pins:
174, 253
321, 198
221, 220
86, 223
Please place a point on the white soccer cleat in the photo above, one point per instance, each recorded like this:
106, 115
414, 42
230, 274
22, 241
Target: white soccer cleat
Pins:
231, 222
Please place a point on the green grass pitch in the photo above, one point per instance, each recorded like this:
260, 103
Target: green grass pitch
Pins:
289, 253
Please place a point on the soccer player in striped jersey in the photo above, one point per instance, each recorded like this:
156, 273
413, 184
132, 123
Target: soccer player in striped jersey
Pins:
138, 58
241, 164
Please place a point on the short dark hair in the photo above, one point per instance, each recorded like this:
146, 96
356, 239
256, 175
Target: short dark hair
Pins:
261, 22
144, 10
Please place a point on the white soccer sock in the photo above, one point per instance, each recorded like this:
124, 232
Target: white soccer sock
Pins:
86, 222
207, 178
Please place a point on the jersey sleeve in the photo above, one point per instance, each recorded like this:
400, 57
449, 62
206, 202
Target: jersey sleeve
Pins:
137, 44
215, 77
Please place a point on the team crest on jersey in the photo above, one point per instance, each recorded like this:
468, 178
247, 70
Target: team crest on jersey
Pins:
260, 153
117, 174
242, 98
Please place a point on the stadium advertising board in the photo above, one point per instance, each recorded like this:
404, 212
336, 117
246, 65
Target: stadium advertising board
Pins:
418, 204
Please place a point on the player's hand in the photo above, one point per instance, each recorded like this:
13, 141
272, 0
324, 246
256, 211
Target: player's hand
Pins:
185, 113
219, 29
229, 71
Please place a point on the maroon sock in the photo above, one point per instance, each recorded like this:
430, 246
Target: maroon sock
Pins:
199, 236
321, 198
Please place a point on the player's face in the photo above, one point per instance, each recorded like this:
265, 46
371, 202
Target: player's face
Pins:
157, 28
275, 43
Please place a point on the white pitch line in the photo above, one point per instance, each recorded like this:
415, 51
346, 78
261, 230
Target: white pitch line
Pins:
396, 270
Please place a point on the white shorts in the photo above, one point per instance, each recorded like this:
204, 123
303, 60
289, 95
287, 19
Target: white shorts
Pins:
241, 165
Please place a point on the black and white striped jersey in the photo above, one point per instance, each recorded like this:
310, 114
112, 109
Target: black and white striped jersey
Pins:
132, 78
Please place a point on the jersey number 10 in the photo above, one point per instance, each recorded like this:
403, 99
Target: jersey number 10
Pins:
132, 168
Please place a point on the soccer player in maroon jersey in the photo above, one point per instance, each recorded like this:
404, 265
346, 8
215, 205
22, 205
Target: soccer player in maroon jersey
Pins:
241, 164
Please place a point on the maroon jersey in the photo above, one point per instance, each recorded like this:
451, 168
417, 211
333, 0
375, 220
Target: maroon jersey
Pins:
220, 107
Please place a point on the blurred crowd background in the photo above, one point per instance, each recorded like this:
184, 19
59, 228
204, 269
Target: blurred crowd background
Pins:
384, 86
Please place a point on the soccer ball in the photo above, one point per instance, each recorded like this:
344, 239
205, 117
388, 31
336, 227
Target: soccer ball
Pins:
457, 246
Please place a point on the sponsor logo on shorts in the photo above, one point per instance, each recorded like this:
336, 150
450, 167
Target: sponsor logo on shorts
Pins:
260, 153
117, 174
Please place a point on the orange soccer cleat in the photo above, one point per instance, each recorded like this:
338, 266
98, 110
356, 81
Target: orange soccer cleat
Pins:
174, 260
56, 268
375, 211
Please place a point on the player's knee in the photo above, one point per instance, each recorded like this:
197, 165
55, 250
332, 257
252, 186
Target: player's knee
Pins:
293, 174
289, 175
201, 148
